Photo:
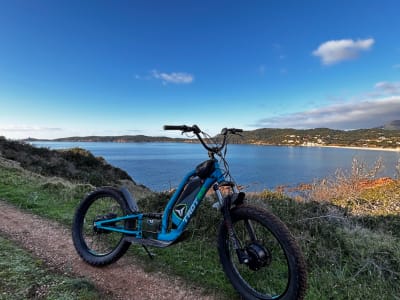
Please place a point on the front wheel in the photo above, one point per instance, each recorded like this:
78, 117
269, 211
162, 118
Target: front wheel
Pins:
275, 268
99, 247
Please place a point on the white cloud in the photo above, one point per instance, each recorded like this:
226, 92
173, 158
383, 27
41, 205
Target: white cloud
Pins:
174, 77
335, 51
24, 128
368, 113
25, 131
364, 114
392, 88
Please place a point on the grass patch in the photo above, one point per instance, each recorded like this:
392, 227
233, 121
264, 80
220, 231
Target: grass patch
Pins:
25, 277
53, 198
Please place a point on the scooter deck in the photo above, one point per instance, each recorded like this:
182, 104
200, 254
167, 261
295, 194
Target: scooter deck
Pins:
156, 243
148, 242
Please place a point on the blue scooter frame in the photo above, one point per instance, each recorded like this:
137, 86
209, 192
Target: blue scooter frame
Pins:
168, 237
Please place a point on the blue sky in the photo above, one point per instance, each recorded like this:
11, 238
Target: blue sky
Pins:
128, 67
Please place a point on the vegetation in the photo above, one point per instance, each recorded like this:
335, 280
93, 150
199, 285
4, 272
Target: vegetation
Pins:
76, 164
322, 137
25, 277
348, 227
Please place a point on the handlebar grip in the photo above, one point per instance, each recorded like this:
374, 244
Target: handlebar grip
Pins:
175, 127
235, 130
183, 128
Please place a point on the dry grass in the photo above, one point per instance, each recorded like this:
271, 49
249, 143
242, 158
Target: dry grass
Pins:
359, 191
344, 183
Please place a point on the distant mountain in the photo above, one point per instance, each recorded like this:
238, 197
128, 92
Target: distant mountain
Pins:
119, 139
387, 136
394, 125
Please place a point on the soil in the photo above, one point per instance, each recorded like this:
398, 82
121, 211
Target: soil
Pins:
52, 243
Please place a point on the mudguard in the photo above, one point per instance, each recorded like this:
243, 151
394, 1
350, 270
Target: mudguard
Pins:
130, 200
127, 196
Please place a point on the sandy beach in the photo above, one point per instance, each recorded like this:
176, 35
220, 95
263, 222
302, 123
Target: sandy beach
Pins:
360, 148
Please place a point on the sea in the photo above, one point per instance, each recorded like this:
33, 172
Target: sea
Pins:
161, 166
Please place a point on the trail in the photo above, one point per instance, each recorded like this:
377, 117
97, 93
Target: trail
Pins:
52, 243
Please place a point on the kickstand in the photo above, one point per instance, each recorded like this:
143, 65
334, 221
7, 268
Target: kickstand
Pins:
151, 255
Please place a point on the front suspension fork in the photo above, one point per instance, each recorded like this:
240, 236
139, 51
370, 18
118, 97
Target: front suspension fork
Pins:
225, 205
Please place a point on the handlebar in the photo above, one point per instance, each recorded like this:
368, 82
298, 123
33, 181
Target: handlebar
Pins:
196, 130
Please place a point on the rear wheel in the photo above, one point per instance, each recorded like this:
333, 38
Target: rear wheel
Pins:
97, 246
276, 268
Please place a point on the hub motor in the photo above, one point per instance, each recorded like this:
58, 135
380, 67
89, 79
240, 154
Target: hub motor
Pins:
259, 256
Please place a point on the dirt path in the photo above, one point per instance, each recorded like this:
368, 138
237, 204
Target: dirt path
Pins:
122, 280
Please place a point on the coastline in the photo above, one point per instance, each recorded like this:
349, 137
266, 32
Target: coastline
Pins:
397, 149
358, 148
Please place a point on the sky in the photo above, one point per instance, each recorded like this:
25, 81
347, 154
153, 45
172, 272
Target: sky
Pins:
95, 67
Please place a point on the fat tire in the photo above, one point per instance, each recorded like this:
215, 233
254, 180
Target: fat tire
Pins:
297, 268
77, 227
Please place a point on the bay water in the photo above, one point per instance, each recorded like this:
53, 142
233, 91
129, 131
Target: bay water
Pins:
161, 166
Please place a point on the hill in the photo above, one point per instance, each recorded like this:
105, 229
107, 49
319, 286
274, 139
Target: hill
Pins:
75, 164
119, 139
376, 137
